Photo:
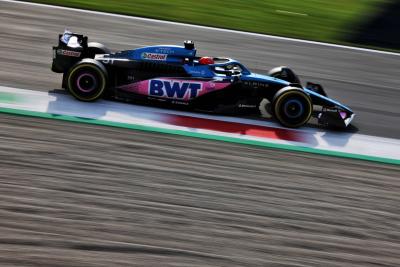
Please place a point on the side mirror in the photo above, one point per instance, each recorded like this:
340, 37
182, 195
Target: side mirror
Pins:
316, 88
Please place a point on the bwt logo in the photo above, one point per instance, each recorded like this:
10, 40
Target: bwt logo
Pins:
174, 89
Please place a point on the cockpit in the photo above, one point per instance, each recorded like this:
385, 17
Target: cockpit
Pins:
223, 66
212, 66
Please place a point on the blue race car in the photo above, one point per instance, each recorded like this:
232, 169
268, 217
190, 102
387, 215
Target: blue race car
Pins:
174, 75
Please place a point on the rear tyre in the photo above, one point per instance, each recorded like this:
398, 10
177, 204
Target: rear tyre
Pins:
87, 80
92, 50
284, 73
292, 107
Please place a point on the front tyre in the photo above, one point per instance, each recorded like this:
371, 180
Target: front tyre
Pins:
87, 80
284, 73
292, 107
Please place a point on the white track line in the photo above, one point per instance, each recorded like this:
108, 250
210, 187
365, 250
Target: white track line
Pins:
115, 112
206, 28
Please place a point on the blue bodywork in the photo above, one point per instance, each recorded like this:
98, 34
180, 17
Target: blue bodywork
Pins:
173, 54
179, 55
176, 75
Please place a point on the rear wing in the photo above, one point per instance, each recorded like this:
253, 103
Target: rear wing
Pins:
70, 49
72, 39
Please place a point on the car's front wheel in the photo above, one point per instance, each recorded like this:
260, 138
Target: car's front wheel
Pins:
87, 80
284, 73
292, 107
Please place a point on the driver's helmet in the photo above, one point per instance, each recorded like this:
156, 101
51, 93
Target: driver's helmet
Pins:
206, 60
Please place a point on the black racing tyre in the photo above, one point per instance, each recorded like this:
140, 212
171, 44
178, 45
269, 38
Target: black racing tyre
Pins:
64, 81
96, 48
87, 80
284, 73
292, 107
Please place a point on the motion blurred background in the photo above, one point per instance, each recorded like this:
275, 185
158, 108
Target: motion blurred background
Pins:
84, 195
370, 23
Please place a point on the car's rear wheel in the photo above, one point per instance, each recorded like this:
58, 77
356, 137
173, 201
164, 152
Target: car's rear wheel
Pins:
92, 50
292, 107
87, 80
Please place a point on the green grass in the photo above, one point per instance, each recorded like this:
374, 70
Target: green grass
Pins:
321, 20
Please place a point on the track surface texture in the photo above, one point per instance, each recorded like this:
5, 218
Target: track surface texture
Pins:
367, 82
82, 195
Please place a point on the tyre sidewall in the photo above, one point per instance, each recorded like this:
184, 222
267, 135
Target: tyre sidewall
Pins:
298, 98
94, 73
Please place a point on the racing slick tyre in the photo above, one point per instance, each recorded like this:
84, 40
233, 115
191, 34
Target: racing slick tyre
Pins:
96, 48
92, 50
284, 73
292, 107
87, 80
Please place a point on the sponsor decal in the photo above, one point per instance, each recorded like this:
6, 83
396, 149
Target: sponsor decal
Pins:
174, 89
247, 106
68, 53
165, 50
256, 84
177, 102
154, 56
202, 72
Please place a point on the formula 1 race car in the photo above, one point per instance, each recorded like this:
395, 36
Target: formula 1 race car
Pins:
174, 75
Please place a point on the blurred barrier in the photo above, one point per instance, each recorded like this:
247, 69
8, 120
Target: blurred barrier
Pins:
381, 30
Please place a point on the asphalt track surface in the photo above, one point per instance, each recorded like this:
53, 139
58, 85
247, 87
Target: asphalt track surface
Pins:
367, 82
82, 195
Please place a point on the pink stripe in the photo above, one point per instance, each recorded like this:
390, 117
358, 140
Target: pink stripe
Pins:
143, 87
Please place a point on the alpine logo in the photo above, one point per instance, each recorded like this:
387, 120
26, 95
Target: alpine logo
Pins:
68, 53
154, 56
174, 89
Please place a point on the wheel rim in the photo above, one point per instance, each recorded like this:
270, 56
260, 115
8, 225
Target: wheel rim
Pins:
293, 109
86, 82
